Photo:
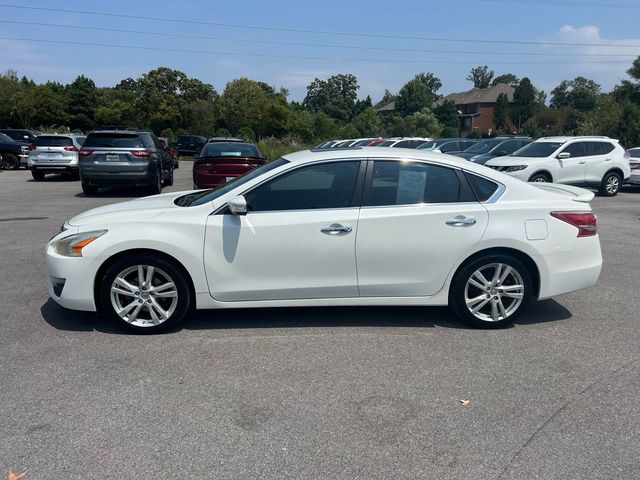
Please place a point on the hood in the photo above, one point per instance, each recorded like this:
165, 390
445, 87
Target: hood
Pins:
139, 208
509, 161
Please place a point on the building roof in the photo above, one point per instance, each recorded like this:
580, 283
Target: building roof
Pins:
481, 95
388, 107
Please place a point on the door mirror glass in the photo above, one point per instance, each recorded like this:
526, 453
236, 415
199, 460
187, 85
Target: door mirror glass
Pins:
238, 205
564, 155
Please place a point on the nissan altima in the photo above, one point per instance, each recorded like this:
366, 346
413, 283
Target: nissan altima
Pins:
359, 226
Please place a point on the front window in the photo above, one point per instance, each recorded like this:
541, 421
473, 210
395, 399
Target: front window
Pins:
538, 150
207, 196
483, 147
409, 183
228, 149
321, 186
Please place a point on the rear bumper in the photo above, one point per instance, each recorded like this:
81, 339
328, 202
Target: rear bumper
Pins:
208, 180
54, 168
107, 175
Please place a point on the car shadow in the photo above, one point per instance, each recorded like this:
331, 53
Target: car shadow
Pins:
302, 317
55, 178
117, 192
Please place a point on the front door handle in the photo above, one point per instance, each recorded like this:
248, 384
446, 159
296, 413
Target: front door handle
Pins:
336, 229
582, 162
461, 221
607, 159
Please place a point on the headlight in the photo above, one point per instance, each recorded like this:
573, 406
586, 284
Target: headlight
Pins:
515, 168
72, 246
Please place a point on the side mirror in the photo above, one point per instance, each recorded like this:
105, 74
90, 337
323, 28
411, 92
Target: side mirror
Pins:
563, 156
238, 205
263, 157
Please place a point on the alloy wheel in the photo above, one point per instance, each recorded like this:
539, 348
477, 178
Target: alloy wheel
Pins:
494, 292
612, 184
144, 296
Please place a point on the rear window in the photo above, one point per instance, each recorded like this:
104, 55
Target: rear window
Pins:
635, 153
221, 149
189, 139
45, 141
482, 187
113, 140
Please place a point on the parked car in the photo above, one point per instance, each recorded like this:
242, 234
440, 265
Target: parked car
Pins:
292, 232
634, 165
447, 145
171, 151
327, 144
344, 143
124, 158
588, 161
190, 144
20, 135
224, 139
12, 154
405, 142
222, 162
363, 142
376, 142
485, 150
55, 154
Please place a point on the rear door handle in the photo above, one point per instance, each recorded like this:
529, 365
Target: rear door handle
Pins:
461, 221
607, 159
336, 229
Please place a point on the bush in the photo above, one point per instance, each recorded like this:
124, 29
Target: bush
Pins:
274, 148
168, 133
246, 134
223, 132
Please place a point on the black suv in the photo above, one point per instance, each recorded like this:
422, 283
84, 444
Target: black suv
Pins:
12, 153
124, 158
190, 144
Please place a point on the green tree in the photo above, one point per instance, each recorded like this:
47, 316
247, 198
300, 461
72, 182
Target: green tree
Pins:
362, 105
447, 115
83, 101
580, 94
335, 96
368, 123
501, 112
243, 104
506, 78
524, 102
418, 93
481, 76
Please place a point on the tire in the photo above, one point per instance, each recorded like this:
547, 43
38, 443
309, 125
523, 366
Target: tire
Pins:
37, 176
10, 161
169, 180
148, 312
156, 187
89, 189
465, 296
610, 185
176, 164
539, 177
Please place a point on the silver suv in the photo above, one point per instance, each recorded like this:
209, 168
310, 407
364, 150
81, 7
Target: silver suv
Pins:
54, 154
112, 158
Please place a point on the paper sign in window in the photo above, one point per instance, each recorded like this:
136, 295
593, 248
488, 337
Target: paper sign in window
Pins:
411, 186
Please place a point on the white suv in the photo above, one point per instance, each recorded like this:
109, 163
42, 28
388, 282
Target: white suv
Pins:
589, 161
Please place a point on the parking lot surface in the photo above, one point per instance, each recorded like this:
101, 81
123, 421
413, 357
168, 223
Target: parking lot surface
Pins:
318, 393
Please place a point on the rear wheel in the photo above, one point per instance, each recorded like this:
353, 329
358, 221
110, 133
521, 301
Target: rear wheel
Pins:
540, 178
10, 161
156, 187
89, 189
491, 291
169, 180
610, 185
145, 293
37, 176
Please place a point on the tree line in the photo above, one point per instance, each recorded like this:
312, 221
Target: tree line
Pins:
170, 103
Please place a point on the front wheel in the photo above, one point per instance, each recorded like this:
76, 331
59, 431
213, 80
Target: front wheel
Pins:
10, 161
539, 178
89, 189
610, 185
37, 176
492, 291
145, 293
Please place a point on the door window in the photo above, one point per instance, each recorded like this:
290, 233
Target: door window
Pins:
599, 148
450, 147
322, 186
402, 183
576, 150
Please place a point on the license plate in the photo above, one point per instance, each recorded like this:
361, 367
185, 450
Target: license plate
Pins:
52, 155
228, 179
113, 158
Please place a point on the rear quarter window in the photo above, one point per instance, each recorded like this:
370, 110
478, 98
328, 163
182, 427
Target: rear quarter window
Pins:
482, 187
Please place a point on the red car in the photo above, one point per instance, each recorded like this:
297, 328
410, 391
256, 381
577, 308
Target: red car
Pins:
375, 142
220, 162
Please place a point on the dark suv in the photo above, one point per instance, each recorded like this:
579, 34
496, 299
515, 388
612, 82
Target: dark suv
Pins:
20, 136
124, 158
12, 153
485, 150
190, 144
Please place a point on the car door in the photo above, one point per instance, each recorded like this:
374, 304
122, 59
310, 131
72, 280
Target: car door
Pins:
572, 169
599, 159
297, 240
417, 220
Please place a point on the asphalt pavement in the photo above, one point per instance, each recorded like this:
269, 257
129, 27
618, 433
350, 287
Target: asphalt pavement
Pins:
315, 393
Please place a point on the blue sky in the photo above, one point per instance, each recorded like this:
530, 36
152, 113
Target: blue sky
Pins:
587, 21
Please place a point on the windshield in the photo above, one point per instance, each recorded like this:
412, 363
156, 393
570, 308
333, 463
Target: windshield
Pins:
484, 146
537, 149
386, 143
223, 149
431, 145
206, 196
5, 138
113, 140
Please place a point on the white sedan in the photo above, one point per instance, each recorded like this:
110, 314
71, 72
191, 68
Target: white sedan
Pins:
364, 226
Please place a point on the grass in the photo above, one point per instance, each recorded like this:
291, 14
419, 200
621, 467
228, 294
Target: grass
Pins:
274, 148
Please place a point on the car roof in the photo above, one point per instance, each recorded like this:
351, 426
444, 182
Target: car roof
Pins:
121, 132
222, 139
567, 138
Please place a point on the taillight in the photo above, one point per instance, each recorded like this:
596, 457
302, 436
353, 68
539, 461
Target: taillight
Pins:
585, 222
85, 153
32, 146
71, 148
141, 153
